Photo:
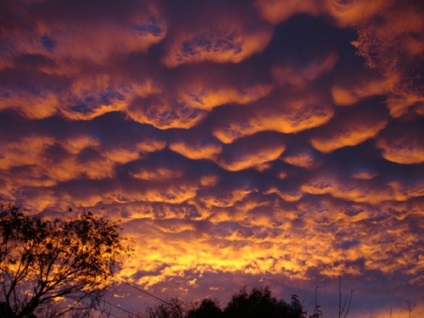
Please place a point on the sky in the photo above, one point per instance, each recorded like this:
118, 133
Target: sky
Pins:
237, 142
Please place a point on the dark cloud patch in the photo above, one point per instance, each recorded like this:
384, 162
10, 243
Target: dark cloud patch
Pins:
48, 43
83, 12
32, 81
34, 61
402, 142
304, 38
351, 126
56, 154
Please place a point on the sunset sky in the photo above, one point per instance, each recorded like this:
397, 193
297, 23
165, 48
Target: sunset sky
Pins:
238, 142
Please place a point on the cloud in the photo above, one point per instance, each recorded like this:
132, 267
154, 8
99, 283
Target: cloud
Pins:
299, 77
95, 95
30, 92
289, 195
159, 174
402, 144
361, 190
131, 28
304, 158
345, 13
351, 13
394, 47
164, 113
157, 171
48, 159
276, 11
225, 36
35, 106
238, 143
349, 128
240, 85
196, 148
25, 152
352, 93
254, 152
277, 113
227, 43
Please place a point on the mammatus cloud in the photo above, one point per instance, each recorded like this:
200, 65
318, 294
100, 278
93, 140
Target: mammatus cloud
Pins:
239, 143
251, 152
119, 28
345, 13
165, 113
217, 90
291, 115
224, 36
349, 129
402, 144
393, 46
197, 149
299, 77
227, 43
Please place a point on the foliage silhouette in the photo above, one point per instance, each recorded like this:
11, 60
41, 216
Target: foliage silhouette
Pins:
207, 309
55, 267
256, 304
174, 308
260, 303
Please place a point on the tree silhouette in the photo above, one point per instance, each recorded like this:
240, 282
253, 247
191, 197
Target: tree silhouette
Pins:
55, 266
260, 303
173, 308
207, 309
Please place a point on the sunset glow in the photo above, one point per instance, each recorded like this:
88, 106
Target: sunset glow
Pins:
267, 142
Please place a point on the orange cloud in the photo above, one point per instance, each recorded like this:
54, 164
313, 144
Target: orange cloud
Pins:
164, 113
278, 114
349, 130
196, 151
95, 39
350, 13
223, 200
230, 42
26, 151
303, 158
289, 196
95, 95
76, 144
392, 44
276, 11
403, 144
400, 105
299, 77
202, 96
364, 175
243, 155
352, 93
33, 106
359, 190
345, 13
176, 192
150, 145
159, 174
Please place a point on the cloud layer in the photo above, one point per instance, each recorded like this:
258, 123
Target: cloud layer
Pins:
265, 141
